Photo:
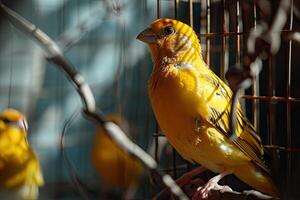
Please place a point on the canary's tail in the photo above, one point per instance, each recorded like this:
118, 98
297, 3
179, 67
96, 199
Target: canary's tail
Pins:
258, 178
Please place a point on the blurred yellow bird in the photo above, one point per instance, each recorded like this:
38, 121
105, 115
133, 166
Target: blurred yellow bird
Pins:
117, 168
192, 107
20, 171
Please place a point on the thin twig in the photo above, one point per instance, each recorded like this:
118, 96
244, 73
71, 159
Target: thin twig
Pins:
75, 179
233, 195
54, 55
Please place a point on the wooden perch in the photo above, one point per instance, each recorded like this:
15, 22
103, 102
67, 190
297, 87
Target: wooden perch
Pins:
233, 195
187, 181
224, 195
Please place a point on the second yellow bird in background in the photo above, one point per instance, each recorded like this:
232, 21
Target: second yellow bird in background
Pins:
116, 167
20, 171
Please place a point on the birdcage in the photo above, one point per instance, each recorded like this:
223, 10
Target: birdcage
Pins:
271, 102
98, 37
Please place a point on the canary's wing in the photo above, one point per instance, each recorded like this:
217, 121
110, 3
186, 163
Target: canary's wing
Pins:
218, 97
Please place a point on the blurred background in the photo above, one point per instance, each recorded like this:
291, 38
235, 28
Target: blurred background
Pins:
98, 37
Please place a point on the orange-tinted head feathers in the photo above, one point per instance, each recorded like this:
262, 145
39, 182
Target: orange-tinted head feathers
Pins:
170, 40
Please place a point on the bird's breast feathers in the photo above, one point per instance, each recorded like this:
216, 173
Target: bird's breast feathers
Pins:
182, 110
177, 88
174, 97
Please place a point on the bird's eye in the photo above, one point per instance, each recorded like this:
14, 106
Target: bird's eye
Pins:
6, 121
168, 30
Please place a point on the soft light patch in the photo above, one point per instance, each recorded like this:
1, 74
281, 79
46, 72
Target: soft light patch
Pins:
184, 66
226, 149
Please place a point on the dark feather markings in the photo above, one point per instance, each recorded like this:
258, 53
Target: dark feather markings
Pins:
248, 141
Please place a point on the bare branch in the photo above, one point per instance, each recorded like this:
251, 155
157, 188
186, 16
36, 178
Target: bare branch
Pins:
233, 195
54, 55
188, 179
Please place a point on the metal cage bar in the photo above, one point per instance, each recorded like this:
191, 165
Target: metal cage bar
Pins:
191, 13
207, 57
271, 108
224, 44
176, 4
288, 102
238, 36
255, 83
158, 9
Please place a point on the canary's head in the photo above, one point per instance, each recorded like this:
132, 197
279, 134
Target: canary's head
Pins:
12, 117
171, 41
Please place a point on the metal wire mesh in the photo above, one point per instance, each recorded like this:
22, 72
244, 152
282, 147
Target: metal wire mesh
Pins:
88, 38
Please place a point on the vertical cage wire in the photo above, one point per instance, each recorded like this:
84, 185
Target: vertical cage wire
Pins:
158, 8
202, 32
288, 102
224, 44
157, 129
288, 85
176, 4
207, 57
174, 164
271, 106
11, 71
191, 13
255, 83
238, 35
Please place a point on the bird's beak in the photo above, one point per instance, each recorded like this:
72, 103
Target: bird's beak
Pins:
147, 36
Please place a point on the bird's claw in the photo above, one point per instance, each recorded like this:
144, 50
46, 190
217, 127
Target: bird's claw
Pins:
203, 192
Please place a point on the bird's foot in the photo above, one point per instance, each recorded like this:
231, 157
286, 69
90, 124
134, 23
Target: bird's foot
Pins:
203, 192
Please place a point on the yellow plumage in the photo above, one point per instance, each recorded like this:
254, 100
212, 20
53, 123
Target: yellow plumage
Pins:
116, 167
192, 107
20, 172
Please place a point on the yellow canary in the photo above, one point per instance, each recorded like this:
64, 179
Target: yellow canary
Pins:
20, 171
116, 167
192, 106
